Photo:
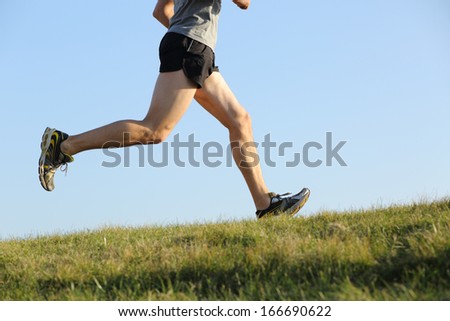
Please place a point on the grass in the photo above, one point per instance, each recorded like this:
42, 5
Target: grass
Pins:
395, 253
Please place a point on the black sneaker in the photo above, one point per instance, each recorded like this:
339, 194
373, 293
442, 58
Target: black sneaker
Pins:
51, 157
286, 204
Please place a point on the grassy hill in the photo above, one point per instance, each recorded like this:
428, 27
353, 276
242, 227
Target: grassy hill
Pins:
396, 253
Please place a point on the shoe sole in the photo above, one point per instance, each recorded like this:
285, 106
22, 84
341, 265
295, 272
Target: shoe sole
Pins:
45, 144
298, 206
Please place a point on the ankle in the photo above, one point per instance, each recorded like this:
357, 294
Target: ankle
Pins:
264, 203
65, 148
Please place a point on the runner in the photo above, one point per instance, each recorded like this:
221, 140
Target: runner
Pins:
187, 72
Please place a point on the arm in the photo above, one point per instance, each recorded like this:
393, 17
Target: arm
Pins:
163, 12
243, 4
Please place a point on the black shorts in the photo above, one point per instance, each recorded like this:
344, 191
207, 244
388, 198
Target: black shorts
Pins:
178, 52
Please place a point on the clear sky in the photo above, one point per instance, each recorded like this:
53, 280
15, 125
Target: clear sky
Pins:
374, 73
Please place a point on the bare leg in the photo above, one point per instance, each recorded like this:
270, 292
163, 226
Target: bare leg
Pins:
218, 99
172, 96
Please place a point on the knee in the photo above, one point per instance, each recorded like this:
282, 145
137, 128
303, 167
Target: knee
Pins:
241, 123
153, 137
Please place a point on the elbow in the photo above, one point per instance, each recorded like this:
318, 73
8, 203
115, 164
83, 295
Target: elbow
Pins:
163, 12
156, 13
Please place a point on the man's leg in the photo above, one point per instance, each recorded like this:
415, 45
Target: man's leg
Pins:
172, 96
218, 99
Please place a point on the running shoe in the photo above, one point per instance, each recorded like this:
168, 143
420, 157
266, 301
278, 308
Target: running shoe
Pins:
285, 204
51, 157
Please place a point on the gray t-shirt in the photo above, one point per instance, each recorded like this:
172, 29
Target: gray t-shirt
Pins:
197, 19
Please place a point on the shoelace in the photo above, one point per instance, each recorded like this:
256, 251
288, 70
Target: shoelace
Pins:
279, 197
64, 168
282, 195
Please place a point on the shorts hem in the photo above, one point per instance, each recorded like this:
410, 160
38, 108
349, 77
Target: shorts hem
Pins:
179, 52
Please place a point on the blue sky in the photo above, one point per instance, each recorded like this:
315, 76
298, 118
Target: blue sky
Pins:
374, 73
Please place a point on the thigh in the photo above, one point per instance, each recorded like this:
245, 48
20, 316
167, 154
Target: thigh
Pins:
171, 98
218, 99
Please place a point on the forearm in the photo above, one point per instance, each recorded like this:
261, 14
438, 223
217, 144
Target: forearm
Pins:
164, 11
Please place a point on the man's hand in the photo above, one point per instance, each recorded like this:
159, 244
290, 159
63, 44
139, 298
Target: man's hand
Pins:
243, 4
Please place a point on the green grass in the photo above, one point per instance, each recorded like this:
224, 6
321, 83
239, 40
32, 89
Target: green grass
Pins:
396, 253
